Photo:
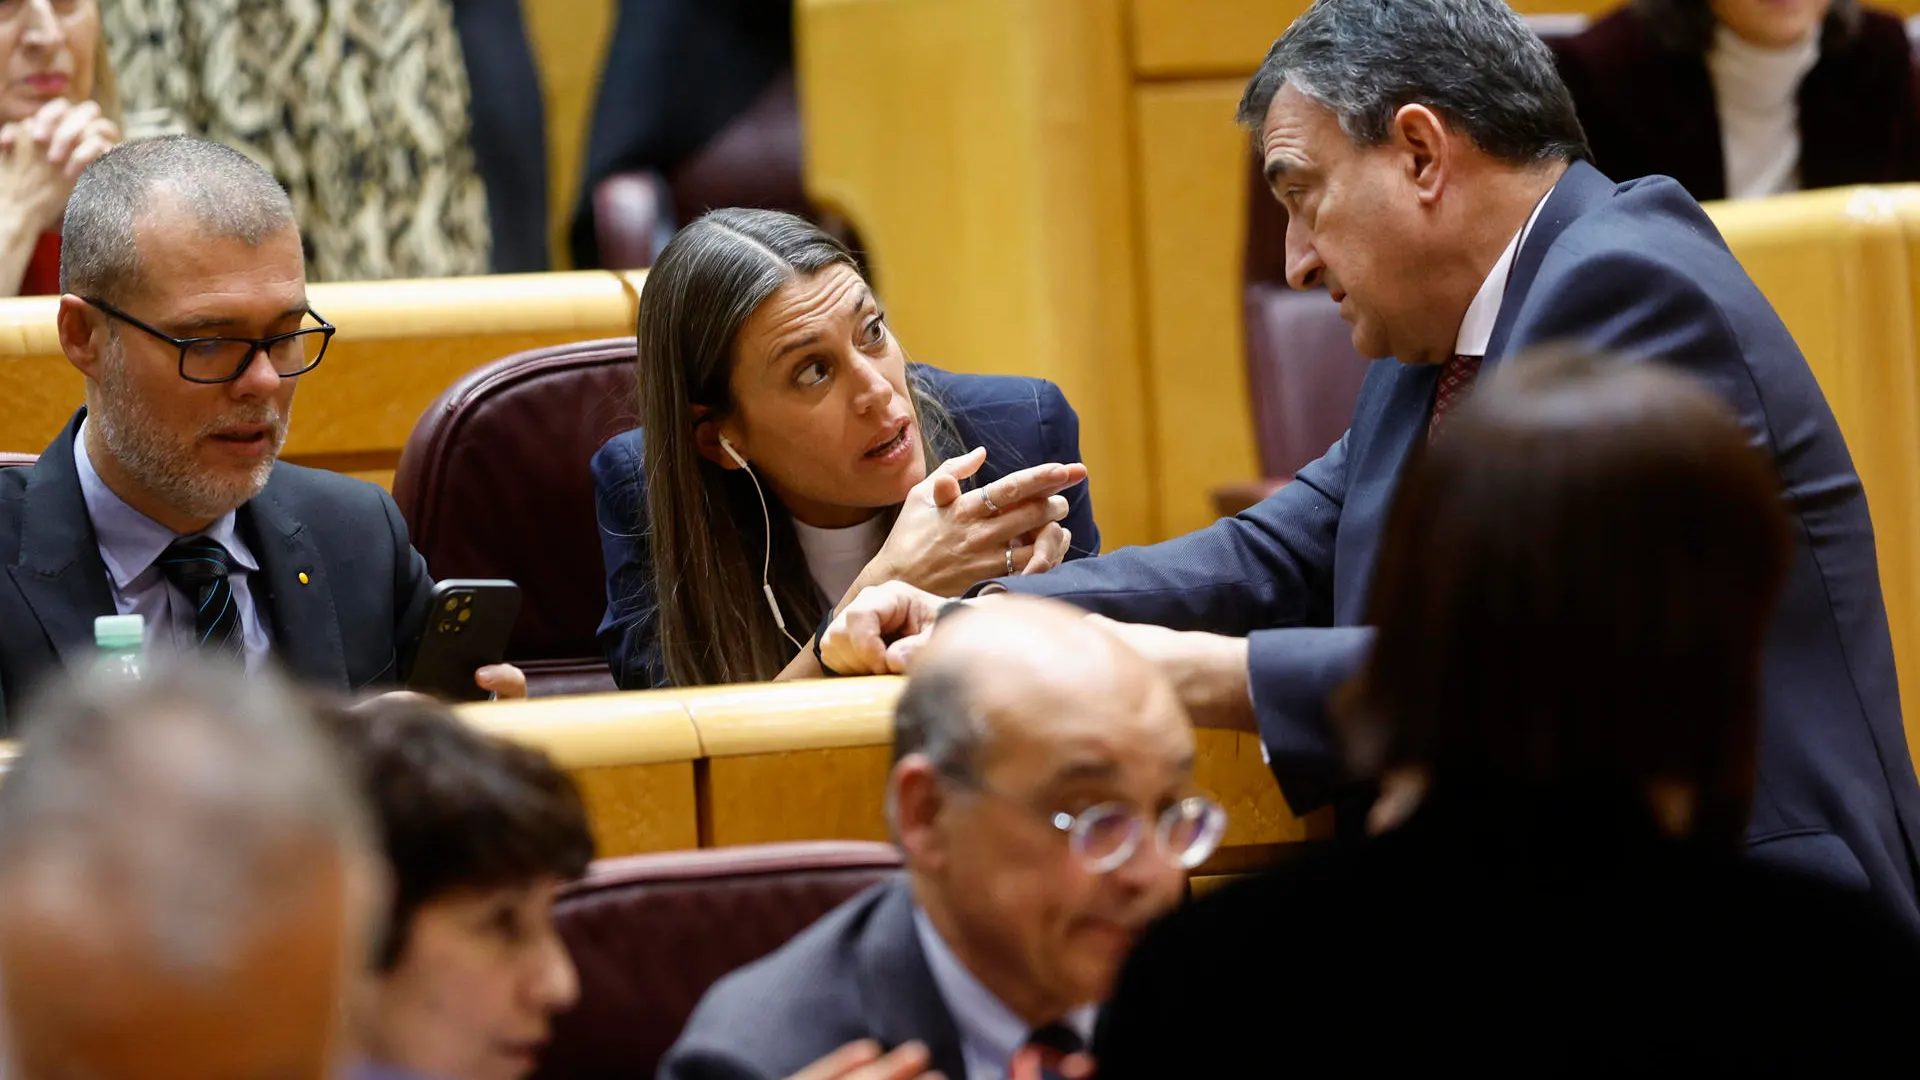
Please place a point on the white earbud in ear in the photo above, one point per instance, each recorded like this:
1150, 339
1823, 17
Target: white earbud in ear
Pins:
766, 561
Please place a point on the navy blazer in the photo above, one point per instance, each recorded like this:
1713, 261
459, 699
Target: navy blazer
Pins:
1638, 269
342, 593
857, 973
1022, 422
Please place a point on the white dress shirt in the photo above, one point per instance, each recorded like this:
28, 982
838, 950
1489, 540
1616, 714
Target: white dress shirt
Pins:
1756, 93
990, 1032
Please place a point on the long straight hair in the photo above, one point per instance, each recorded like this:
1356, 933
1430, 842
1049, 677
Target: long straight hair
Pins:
704, 521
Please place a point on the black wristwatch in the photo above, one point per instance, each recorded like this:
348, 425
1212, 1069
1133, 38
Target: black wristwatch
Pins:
818, 633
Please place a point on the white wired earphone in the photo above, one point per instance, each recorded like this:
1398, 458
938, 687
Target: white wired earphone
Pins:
766, 560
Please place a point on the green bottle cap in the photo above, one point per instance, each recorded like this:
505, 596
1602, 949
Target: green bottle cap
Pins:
119, 631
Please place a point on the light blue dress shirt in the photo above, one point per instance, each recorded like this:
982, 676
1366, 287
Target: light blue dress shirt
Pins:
130, 543
990, 1032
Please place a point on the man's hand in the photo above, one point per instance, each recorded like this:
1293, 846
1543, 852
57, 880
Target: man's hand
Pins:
878, 632
862, 1061
1208, 671
507, 682
1029, 1063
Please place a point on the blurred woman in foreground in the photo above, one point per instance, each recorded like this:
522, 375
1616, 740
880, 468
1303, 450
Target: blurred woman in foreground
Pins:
1563, 707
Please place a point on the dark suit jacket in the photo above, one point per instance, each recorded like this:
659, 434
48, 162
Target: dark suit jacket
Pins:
1649, 110
353, 623
1505, 938
508, 130
858, 973
677, 72
1022, 422
1637, 269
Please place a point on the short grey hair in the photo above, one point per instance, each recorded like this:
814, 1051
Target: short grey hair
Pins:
937, 718
1475, 62
193, 800
229, 195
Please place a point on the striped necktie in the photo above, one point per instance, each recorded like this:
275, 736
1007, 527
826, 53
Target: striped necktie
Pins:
1456, 382
199, 567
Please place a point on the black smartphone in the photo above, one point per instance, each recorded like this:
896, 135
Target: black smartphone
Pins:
468, 623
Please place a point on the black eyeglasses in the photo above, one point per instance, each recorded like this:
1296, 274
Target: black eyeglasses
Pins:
222, 359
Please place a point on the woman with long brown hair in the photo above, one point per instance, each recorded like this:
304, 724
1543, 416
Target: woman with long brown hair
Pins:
792, 455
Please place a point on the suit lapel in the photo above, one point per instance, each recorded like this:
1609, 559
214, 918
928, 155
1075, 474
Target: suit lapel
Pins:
295, 590
1581, 189
897, 987
60, 572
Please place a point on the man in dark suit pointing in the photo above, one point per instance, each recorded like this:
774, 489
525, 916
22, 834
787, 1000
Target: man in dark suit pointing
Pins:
186, 309
1430, 163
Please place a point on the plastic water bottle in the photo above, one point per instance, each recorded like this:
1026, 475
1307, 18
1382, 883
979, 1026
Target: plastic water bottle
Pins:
120, 639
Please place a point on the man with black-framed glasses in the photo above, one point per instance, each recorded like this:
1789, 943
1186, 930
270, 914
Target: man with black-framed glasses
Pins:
1043, 795
185, 308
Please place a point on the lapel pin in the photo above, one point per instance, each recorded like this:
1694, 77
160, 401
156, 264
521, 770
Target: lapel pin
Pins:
303, 577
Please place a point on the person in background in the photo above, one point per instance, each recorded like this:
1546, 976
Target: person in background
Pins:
185, 309
789, 443
1043, 794
1565, 712
1747, 98
360, 108
59, 112
187, 881
479, 833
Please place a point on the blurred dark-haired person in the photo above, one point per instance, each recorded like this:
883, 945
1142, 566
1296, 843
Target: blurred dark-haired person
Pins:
1565, 712
479, 834
188, 882
1746, 98
790, 455
1042, 793
1432, 170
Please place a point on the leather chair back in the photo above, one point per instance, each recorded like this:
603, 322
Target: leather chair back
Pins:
11, 460
753, 161
1303, 372
650, 933
494, 483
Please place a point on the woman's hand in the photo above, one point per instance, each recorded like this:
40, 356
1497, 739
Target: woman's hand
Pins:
42, 156
45, 154
946, 539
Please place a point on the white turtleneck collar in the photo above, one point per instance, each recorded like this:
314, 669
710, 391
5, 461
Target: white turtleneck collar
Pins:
1756, 90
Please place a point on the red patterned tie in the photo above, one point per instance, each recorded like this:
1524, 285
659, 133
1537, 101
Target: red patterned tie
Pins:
1456, 382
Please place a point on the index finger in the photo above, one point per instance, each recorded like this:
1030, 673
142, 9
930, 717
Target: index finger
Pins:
908, 1061
1035, 482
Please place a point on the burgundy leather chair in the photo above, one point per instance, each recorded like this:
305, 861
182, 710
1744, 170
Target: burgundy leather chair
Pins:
494, 483
650, 933
753, 161
12, 460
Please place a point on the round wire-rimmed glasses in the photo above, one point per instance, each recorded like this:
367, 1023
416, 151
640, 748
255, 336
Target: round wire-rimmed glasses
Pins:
223, 359
1104, 836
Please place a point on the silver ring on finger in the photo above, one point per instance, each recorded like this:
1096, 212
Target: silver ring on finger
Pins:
987, 497
1010, 558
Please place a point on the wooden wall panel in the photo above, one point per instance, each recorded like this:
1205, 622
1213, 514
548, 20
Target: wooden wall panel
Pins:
835, 794
640, 808
1191, 165
1175, 39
